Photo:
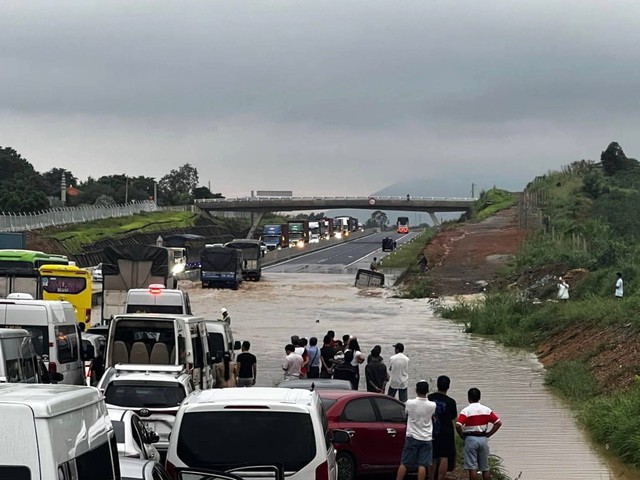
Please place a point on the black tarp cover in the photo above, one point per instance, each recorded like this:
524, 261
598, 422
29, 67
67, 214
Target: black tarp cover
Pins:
220, 259
158, 256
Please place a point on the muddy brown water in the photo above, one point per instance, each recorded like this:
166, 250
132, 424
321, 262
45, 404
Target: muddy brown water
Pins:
539, 439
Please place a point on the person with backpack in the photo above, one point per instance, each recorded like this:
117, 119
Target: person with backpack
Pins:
444, 445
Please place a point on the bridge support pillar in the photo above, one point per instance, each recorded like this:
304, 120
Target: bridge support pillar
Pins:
434, 219
256, 217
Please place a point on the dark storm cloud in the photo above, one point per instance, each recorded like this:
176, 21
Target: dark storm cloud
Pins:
355, 64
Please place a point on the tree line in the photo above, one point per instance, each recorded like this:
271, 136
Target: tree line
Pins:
23, 189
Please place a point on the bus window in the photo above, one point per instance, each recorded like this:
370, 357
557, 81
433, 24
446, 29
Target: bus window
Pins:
68, 285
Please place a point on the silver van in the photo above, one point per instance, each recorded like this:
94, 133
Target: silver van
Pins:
56, 432
18, 360
157, 339
54, 334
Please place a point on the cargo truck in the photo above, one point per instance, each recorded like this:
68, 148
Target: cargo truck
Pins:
132, 266
220, 266
272, 236
251, 257
298, 233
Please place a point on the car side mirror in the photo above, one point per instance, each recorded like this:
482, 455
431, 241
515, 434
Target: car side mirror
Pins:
218, 358
57, 377
236, 345
341, 437
209, 359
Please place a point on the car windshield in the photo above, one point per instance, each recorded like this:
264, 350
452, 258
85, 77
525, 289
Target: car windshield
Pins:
285, 438
144, 395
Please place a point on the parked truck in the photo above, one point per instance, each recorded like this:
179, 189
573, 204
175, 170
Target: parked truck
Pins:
272, 236
220, 266
132, 266
251, 257
298, 233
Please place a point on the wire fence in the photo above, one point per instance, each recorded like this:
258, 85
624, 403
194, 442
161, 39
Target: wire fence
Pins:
20, 222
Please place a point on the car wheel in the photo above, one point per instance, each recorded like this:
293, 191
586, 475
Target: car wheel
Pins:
346, 466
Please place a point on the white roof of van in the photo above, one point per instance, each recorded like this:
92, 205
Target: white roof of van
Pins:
252, 396
48, 400
154, 316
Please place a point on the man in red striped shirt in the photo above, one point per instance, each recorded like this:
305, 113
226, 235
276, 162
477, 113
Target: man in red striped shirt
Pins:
473, 426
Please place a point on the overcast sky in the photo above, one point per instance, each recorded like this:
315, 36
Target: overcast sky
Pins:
320, 97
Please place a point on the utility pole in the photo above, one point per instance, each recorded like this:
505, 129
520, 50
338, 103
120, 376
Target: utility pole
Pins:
155, 193
473, 190
126, 189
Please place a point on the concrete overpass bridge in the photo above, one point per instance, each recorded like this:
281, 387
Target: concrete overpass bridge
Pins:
261, 205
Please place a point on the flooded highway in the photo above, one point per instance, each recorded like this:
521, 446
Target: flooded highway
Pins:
539, 439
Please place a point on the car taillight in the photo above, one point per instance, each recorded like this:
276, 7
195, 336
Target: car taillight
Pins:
87, 316
53, 368
322, 471
87, 372
189, 367
171, 469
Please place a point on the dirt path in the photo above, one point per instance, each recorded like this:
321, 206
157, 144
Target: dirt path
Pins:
463, 259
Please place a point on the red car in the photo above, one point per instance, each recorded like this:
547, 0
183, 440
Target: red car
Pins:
377, 425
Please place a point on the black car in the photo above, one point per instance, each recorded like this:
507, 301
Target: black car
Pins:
388, 244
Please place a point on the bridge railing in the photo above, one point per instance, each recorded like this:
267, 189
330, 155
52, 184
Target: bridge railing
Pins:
367, 198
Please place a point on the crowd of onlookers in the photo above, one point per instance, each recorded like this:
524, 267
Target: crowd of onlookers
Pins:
343, 359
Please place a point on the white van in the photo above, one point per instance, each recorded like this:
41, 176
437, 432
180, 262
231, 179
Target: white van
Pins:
157, 299
221, 339
56, 432
289, 428
18, 360
157, 339
54, 334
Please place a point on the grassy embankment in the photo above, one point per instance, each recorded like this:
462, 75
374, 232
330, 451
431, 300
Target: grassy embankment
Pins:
76, 235
491, 202
592, 223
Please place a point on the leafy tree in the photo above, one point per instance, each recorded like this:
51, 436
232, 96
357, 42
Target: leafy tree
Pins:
378, 219
613, 160
52, 180
177, 187
22, 189
204, 192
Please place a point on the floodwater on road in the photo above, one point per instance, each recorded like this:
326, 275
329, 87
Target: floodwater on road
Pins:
538, 440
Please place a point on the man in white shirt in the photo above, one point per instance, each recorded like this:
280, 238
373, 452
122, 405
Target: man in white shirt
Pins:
399, 373
417, 445
619, 286
292, 363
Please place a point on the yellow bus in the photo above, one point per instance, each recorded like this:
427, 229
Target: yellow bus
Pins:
69, 283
